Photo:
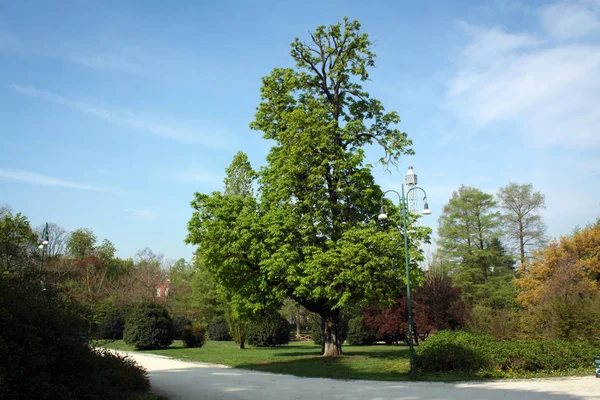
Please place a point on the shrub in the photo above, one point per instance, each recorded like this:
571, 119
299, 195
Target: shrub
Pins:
44, 355
148, 326
454, 351
359, 334
193, 336
218, 329
179, 323
120, 372
269, 330
476, 353
112, 325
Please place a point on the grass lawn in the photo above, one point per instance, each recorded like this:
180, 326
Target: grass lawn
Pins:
382, 363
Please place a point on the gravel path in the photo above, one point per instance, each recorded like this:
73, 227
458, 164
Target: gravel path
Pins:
190, 380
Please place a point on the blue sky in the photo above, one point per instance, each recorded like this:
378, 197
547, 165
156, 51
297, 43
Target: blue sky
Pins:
115, 113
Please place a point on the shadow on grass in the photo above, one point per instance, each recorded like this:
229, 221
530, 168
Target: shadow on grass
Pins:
329, 367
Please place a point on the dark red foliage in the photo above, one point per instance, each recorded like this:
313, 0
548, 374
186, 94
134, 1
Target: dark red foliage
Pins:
436, 306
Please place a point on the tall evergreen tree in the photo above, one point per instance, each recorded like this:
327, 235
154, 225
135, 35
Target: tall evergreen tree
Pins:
468, 231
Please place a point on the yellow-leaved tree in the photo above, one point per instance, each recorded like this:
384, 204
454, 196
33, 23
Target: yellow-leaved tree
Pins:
560, 287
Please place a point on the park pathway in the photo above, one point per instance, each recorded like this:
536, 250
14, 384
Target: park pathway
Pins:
180, 380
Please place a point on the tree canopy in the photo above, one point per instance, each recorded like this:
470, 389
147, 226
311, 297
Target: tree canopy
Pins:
523, 224
311, 234
469, 231
560, 288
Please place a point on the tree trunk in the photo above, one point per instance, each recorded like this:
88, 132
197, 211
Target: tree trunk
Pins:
521, 244
297, 321
331, 344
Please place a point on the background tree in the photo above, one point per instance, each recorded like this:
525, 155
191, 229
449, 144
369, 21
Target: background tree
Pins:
293, 311
204, 298
468, 231
560, 288
522, 222
240, 176
57, 238
312, 236
81, 243
18, 242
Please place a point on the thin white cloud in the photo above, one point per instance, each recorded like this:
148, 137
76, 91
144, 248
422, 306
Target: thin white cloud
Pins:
130, 120
548, 88
142, 213
44, 180
568, 20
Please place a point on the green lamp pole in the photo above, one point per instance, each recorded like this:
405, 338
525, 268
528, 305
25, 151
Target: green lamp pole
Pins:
45, 241
403, 211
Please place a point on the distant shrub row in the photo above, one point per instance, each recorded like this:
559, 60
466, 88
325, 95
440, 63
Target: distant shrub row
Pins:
149, 326
476, 353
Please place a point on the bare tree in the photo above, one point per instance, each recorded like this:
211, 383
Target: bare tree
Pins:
523, 224
57, 238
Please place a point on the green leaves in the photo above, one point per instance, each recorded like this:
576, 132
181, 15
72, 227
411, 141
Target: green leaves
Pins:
310, 234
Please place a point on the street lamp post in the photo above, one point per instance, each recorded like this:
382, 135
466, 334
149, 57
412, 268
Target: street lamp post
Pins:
43, 244
403, 211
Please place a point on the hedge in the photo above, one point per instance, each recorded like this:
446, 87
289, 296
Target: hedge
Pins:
481, 354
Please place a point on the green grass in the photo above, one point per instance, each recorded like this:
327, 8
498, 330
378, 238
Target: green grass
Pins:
382, 363
379, 363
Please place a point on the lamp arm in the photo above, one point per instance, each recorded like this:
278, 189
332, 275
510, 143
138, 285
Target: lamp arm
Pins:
417, 187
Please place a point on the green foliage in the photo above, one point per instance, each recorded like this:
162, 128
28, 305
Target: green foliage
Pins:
179, 323
148, 326
218, 329
17, 240
502, 324
240, 176
112, 325
477, 353
316, 331
44, 352
359, 334
268, 330
311, 237
119, 374
204, 297
454, 351
193, 335
81, 243
469, 231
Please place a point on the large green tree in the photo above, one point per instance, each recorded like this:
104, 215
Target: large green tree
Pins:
523, 223
469, 230
311, 234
